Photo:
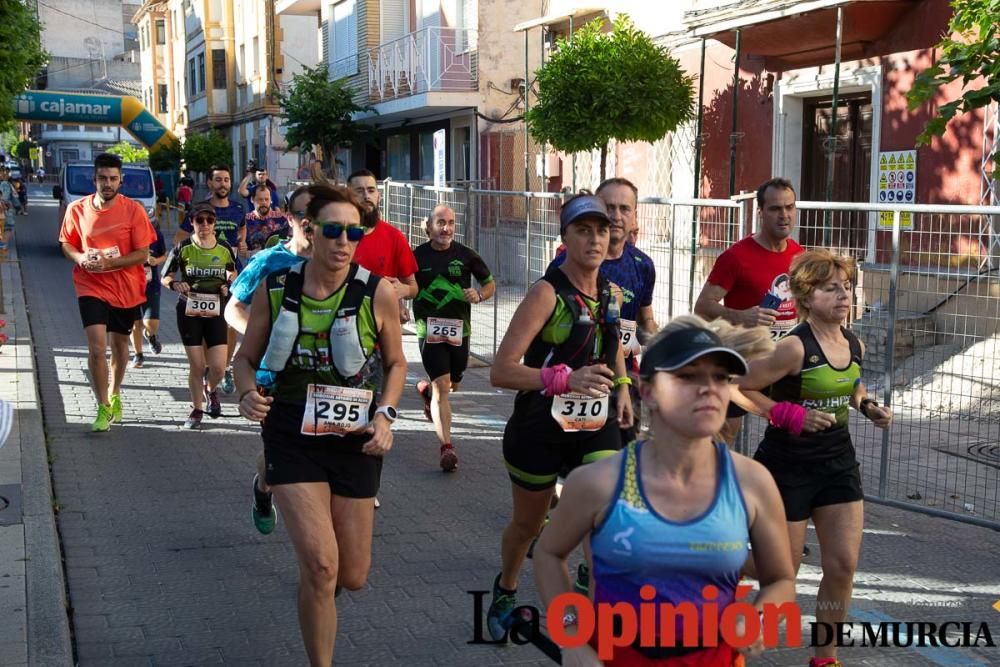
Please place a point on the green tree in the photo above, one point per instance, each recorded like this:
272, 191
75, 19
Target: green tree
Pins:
8, 141
970, 53
600, 86
318, 111
129, 153
202, 151
21, 56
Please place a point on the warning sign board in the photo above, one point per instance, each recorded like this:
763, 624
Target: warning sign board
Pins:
897, 184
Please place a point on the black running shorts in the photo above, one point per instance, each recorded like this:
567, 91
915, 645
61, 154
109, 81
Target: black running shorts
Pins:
194, 331
444, 359
117, 320
337, 461
806, 486
536, 457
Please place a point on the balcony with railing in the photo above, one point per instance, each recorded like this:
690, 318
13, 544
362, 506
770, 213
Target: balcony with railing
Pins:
432, 59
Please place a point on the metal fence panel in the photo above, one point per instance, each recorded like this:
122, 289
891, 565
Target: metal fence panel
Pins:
927, 307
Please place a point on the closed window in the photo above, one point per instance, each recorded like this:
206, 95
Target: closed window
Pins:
161, 32
201, 72
161, 91
192, 78
344, 35
219, 69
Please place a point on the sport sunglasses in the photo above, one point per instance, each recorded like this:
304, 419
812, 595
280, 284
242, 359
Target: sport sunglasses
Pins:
333, 230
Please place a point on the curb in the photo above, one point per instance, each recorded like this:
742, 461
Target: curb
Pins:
48, 629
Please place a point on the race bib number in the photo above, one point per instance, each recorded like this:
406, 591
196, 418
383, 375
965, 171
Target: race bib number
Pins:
335, 410
579, 412
441, 330
780, 328
203, 305
630, 343
110, 253
149, 273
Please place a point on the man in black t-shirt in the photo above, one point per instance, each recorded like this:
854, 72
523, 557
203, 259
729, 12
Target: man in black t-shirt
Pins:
443, 311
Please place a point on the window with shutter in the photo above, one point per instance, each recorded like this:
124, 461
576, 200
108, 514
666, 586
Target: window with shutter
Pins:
345, 39
324, 33
394, 20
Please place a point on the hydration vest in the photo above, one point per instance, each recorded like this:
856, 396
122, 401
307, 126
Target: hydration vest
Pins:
347, 354
580, 348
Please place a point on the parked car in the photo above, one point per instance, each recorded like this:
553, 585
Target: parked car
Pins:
76, 180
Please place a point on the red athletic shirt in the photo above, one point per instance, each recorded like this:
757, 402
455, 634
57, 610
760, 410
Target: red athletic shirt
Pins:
749, 273
385, 252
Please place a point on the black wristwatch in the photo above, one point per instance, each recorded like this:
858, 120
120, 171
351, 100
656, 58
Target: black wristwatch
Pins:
864, 403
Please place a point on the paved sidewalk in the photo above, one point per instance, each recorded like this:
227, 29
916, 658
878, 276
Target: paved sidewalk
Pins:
164, 567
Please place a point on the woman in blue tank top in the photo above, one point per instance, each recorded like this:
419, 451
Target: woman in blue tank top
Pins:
670, 518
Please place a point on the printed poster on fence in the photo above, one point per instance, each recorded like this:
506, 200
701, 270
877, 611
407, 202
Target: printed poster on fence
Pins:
897, 184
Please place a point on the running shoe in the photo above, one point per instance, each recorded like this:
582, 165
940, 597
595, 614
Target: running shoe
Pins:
263, 510
424, 389
194, 419
825, 662
500, 615
137, 360
214, 406
116, 408
449, 459
228, 384
154, 343
103, 420
582, 583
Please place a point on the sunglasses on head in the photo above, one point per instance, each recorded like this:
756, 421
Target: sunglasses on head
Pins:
333, 230
204, 220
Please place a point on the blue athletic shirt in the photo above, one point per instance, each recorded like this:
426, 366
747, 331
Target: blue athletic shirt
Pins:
634, 545
260, 266
634, 272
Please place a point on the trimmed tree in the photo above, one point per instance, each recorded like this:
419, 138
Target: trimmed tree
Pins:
318, 111
129, 153
203, 151
970, 52
21, 57
600, 86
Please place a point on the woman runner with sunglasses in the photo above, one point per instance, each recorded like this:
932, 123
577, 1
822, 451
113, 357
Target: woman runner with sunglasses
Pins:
674, 512
562, 353
207, 268
306, 369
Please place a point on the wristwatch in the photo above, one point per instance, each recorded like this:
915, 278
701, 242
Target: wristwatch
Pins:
388, 412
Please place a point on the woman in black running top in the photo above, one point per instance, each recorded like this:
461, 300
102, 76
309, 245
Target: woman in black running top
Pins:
814, 375
572, 386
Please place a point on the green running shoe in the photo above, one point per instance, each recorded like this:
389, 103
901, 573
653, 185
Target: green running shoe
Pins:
582, 583
500, 615
116, 408
103, 421
263, 510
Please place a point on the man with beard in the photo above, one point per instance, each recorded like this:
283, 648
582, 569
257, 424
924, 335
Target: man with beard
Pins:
230, 226
264, 263
384, 250
107, 237
264, 220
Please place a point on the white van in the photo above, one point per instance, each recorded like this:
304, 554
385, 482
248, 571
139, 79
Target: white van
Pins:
76, 181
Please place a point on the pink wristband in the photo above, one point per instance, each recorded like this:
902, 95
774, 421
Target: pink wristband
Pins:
556, 379
789, 416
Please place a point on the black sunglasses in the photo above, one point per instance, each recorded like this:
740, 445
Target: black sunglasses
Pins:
204, 220
333, 230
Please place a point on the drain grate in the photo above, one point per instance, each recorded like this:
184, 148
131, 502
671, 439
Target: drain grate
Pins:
986, 452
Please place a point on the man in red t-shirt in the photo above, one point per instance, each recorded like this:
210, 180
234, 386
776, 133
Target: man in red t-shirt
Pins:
751, 277
384, 250
107, 237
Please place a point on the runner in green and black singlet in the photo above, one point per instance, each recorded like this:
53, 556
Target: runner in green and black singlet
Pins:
443, 310
306, 370
815, 375
207, 267
562, 354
